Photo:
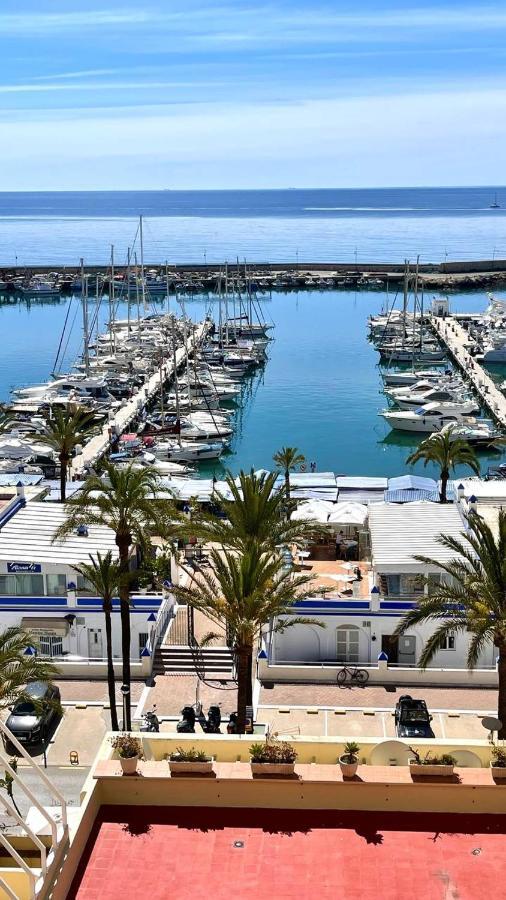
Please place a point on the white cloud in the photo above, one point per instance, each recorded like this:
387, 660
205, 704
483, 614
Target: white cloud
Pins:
403, 139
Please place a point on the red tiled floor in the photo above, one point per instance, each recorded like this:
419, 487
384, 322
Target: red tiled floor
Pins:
138, 853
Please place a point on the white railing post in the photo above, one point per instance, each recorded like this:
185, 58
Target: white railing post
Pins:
31, 834
52, 789
21, 863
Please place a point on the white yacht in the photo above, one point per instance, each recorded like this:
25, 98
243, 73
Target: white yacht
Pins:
437, 395
409, 378
429, 418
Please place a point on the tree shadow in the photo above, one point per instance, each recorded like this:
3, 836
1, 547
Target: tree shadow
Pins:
371, 835
136, 828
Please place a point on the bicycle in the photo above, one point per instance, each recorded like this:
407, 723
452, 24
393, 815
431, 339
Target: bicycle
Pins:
352, 675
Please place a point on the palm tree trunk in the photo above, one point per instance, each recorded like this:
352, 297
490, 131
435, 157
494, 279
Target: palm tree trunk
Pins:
444, 481
111, 685
63, 476
244, 654
287, 492
501, 701
123, 547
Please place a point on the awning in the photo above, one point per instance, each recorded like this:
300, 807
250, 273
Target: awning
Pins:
45, 627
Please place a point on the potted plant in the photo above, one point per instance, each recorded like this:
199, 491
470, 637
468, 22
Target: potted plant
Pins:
129, 751
498, 762
190, 761
430, 764
349, 760
273, 757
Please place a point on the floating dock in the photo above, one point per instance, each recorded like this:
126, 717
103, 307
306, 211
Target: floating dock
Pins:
456, 340
118, 423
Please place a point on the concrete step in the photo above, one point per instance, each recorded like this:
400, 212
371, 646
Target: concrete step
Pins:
180, 659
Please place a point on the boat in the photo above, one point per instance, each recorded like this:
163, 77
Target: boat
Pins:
437, 395
495, 204
39, 289
411, 377
429, 418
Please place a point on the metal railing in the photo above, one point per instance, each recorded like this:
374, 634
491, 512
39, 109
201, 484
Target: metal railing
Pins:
59, 832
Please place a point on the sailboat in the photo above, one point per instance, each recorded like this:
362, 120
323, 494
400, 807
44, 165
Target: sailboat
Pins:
495, 204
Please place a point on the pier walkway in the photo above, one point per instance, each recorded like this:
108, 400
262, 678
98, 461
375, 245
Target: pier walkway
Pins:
452, 334
118, 423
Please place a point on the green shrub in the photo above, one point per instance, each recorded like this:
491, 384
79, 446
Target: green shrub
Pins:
351, 751
430, 759
189, 755
272, 751
499, 757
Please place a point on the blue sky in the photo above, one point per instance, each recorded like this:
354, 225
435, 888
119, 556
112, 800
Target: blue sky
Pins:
281, 93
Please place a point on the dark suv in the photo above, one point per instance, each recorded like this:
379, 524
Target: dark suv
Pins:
30, 722
412, 718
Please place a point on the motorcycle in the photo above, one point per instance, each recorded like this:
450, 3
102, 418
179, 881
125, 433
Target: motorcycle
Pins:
186, 725
151, 721
211, 725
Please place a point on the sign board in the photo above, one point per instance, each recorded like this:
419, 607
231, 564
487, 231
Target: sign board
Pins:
23, 568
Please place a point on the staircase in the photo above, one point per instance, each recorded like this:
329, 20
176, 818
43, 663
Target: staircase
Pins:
213, 662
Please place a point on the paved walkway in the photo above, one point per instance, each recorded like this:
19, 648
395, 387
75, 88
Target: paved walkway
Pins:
95, 691
376, 696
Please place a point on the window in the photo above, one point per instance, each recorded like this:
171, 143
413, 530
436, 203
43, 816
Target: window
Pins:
347, 644
143, 639
447, 642
22, 585
8, 584
84, 586
56, 585
412, 584
51, 646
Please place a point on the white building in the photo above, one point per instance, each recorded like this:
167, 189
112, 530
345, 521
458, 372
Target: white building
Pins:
41, 591
359, 630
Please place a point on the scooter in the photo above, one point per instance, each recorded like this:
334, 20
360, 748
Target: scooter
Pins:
211, 725
187, 723
151, 720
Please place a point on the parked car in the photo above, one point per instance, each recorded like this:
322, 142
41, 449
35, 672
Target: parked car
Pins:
30, 722
412, 718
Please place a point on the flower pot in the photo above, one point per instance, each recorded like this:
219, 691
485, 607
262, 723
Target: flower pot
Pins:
178, 767
498, 771
348, 769
129, 764
433, 770
261, 768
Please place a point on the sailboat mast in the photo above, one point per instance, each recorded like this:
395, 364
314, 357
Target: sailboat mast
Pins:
128, 289
405, 301
143, 283
84, 292
226, 303
167, 284
176, 385
111, 303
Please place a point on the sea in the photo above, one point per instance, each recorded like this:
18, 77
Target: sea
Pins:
320, 389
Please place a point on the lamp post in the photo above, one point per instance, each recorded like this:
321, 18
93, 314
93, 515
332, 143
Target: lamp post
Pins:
125, 693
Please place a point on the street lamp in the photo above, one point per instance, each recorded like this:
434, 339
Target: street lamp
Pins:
125, 692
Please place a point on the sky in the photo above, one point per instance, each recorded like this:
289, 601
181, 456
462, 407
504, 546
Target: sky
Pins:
112, 94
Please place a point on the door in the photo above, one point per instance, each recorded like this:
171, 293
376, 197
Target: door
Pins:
95, 648
390, 646
347, 644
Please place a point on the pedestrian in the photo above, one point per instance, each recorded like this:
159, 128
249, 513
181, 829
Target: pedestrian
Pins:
313, 467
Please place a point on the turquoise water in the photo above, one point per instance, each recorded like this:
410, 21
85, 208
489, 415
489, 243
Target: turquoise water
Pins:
320, 389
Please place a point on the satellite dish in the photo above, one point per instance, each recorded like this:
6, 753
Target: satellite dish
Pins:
491, 724
390, 753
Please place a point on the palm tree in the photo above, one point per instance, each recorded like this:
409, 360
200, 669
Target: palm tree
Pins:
446, 452
254, 512
287, 459
105, 576
19, 665
473, 599
246, 591
124, 501
63, 432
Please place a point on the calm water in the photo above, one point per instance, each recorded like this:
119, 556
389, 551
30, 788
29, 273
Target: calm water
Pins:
194, 226
320, 389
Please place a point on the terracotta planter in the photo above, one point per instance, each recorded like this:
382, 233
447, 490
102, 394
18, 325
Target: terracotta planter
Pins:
432, 770
260, 768
348, 769
178, 767
129, 764
498, 771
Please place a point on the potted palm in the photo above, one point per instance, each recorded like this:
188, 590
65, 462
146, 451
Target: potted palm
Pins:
273, 757
430, 764
349, 760
190, 762
498, 762
129, 750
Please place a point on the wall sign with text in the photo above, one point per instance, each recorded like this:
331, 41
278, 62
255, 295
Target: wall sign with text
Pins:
23, 568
